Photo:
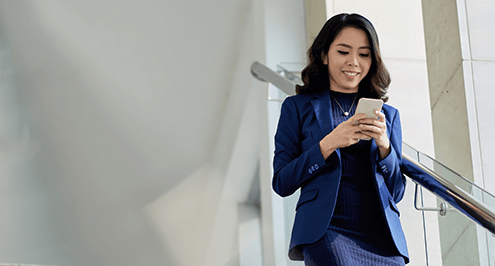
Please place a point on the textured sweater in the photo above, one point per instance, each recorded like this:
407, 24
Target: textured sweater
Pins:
357, 210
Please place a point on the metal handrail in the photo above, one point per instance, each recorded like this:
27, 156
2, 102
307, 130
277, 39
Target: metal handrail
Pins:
442, 209
265, 74
461, 200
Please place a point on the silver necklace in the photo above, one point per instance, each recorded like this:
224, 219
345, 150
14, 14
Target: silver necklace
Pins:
343, 111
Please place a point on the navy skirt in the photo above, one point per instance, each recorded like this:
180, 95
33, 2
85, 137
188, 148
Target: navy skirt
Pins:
347, 248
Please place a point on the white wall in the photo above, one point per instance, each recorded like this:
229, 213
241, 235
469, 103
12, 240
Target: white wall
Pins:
480, 58
126, 102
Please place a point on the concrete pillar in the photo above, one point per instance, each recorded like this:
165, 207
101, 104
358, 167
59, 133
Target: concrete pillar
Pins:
457, 37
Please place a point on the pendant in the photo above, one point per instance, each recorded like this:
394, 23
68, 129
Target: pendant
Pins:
346, 113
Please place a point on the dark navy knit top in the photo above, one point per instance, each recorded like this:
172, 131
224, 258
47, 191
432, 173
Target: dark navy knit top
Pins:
357, 209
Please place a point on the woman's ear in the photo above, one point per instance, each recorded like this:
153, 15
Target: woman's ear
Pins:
324, 58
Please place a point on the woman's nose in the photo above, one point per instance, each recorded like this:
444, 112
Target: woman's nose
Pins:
352, 61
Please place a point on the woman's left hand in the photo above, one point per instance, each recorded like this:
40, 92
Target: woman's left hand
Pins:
377, 129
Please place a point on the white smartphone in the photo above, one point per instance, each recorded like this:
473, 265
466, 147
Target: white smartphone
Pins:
368, 107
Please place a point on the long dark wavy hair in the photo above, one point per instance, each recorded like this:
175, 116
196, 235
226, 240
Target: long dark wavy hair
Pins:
315, 74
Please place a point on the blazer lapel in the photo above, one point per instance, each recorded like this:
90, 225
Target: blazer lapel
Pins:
322, 107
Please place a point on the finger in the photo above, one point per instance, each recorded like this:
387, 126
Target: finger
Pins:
373, 122
359, 116
356, 118
368, 121
356, 133
365, 127
365, 135
376, 132
381, 116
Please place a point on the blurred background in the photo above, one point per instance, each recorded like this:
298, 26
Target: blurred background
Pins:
133, 133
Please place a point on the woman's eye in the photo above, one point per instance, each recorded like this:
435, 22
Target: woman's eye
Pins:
365, 55
343, 52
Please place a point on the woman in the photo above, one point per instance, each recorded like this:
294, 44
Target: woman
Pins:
346, 213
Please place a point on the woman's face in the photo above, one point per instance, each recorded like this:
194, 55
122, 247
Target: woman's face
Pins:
348, 60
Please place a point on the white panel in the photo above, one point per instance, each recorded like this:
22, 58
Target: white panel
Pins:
408, 92
285, 32
491, 246
485, 97
472, 119
399, 25
129, 98
481, 31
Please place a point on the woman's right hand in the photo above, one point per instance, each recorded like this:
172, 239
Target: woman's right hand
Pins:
345, 134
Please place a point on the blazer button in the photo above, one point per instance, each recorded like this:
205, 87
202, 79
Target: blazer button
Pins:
317, 166
310, 171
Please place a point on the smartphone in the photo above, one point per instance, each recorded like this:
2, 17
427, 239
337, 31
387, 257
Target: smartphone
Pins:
368, 107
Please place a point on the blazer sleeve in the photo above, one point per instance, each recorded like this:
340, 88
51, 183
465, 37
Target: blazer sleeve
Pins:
293, 167
390, 165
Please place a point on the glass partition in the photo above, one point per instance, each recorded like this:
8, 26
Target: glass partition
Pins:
463, 196
461, 193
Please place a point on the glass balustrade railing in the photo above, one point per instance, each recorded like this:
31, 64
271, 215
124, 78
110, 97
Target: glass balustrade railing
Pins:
464, 196
460, 193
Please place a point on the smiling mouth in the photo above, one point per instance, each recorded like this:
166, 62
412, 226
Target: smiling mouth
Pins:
350, 74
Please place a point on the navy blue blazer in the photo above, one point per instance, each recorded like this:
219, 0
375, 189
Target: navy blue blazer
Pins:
298, 163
